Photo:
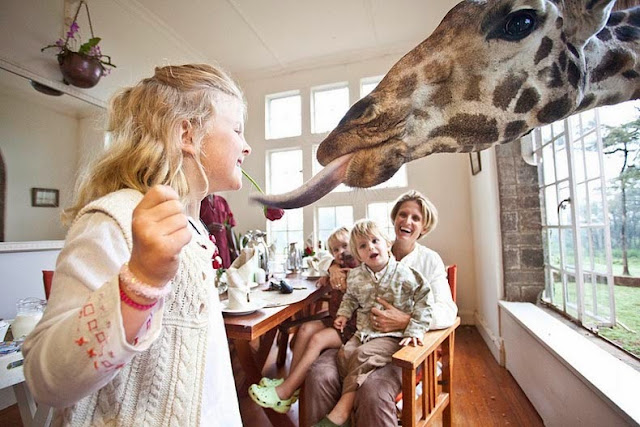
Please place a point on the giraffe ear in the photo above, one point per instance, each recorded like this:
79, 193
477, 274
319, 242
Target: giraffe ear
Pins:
585, 18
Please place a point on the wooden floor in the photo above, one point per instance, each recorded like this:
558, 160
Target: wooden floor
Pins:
484, 393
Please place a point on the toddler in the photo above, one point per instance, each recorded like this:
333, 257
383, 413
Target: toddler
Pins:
379, 276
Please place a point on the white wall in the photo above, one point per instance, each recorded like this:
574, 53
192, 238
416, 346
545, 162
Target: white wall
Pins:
444, 178
40, 148
485, 210
22, 277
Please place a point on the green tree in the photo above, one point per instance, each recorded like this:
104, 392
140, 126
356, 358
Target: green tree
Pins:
624, 141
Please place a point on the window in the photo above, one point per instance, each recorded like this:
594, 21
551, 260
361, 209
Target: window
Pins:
590, 229
284, 172
286, 230
317, 167
368, 84
283, 115
381, 214
328, 105
331, 217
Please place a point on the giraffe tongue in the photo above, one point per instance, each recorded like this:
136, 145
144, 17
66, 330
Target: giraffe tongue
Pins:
318, 186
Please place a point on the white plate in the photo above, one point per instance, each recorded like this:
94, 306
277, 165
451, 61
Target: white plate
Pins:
241, 311
311, 276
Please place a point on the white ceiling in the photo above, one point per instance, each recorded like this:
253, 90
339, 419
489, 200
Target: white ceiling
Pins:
256, 36
249, 38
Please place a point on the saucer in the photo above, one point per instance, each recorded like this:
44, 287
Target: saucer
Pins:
306, 275
255, 306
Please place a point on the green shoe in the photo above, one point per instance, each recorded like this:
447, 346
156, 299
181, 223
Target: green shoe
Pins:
326, 422
268, 398
271, 382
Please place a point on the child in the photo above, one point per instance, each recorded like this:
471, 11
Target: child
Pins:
312, 338
379, 276
133, 332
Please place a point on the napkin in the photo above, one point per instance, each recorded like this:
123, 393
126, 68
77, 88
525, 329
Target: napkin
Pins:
245, 265
238, 291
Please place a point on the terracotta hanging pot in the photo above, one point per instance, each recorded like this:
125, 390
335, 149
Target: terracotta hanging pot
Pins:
80, 70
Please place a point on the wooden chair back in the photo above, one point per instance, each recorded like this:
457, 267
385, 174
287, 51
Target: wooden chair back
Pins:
420, 365
452, 278
47, 278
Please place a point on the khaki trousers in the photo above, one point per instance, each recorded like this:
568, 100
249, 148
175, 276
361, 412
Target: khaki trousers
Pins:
375, 399
357, 360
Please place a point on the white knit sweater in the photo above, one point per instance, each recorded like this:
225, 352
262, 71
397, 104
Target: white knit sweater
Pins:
78, 358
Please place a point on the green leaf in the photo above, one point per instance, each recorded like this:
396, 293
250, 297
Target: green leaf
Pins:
88, 45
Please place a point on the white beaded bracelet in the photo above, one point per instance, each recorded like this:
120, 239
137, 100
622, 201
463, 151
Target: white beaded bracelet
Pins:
131, 283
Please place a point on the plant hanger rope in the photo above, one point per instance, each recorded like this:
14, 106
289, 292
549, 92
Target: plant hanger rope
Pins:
75, 17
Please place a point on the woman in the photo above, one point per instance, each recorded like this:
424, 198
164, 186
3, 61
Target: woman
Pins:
133, 332
413, 216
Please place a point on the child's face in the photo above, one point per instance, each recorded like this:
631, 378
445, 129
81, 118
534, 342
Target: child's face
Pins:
373, 251
339, 247
224, 147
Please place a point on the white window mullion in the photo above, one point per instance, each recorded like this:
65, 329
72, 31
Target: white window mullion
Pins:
607, 229
575, 208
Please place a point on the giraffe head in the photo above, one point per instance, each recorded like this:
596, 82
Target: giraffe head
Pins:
490, 72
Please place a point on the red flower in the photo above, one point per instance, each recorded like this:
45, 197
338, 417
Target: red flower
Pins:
217, 262
273, 214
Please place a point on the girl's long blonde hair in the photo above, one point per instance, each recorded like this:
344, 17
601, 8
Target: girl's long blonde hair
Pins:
146, 125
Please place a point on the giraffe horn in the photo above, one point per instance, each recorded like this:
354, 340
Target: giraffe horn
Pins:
314, 189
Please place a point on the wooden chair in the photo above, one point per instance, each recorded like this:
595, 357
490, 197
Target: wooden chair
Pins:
47, 278
419, 366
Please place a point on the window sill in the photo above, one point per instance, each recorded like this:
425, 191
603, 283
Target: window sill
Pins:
611, 379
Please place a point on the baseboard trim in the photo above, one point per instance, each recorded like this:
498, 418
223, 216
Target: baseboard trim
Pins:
495, 343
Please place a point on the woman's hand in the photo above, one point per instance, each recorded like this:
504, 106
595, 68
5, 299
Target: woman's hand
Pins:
390, 319
322, 282
160, 231
340, 323
410, 340
338, 277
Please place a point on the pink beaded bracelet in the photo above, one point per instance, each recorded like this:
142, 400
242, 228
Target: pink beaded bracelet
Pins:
132, 284
131, 303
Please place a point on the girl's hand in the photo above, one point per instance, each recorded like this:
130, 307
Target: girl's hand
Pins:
338, 277
340, 323
390, 319
410, 340
160, 231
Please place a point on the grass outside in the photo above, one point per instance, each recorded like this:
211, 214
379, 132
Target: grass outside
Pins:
627, 305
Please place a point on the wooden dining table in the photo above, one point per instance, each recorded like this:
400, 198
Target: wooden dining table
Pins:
263, 325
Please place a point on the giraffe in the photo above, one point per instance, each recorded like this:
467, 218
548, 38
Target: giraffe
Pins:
492, 71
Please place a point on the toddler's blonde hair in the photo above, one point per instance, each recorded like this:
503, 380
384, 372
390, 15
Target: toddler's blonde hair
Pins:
336, 235
146, 124
365, 228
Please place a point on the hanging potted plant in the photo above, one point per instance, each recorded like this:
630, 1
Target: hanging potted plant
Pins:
81, 64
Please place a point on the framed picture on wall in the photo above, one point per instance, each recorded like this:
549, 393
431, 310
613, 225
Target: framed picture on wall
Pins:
45, 197
476, 165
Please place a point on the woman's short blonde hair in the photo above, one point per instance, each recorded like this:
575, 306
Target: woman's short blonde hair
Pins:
429, 211
146, 122
365, 228
338, 234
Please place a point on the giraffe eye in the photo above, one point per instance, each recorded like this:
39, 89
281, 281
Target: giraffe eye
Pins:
519, 25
